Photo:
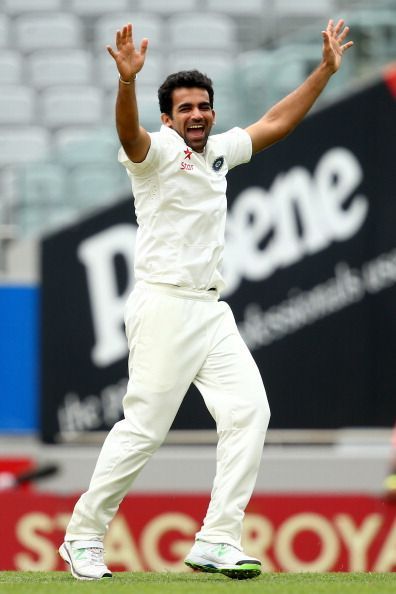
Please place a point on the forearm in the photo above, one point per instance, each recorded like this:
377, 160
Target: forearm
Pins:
283, 117
134, 139
288, 113
127, 115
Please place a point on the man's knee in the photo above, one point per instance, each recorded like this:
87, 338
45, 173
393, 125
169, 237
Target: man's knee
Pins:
256, 413
136, 436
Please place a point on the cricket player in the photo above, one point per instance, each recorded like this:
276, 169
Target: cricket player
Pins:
178, 330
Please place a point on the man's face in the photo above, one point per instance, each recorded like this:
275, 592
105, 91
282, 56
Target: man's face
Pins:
192, 116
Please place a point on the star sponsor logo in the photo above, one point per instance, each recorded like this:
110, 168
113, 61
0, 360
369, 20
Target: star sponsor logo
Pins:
187, 157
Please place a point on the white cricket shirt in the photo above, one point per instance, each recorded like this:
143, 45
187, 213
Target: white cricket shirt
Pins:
180, 203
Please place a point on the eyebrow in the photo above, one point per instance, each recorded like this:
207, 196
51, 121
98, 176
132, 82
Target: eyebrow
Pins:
189, 104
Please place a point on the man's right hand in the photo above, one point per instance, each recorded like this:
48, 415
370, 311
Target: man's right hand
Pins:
129, 60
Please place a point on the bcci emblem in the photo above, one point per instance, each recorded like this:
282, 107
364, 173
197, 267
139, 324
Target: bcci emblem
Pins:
218, 164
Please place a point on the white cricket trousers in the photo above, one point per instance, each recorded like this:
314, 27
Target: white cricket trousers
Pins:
177, 337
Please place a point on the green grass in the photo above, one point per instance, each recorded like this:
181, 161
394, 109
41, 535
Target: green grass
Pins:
18, 582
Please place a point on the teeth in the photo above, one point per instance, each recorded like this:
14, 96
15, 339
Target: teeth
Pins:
196, 127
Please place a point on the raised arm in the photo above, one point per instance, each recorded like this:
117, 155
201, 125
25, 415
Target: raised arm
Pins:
284, 116
134, 138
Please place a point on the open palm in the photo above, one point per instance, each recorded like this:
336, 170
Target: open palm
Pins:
333, 43
129, 60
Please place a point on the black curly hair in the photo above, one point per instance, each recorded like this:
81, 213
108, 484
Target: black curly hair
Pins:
184, 78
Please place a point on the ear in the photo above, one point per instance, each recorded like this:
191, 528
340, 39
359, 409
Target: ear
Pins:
166, 120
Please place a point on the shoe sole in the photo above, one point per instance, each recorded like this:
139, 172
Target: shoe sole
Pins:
64, 553
240, 572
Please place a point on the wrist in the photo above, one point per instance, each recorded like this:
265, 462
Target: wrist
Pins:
127, 82
327, 69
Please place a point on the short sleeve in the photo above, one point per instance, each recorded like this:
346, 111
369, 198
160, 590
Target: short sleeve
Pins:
237, 147
150, 162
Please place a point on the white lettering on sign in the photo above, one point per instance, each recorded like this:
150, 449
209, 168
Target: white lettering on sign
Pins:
299, 215
301, 308
387, 556
166, 538
258, 535
31, 531
97, 254
329, 544
358, 539
121, 548
153, 533
77, 413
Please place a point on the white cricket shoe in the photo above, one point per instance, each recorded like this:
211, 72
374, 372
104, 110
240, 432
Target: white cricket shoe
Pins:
85, 559
222, 558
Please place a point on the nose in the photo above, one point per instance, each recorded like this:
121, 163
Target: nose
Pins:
196, 113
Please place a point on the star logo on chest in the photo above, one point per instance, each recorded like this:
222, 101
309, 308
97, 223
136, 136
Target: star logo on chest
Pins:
188, 153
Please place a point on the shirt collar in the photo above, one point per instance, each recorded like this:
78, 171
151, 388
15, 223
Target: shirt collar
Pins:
166, 130
170, 131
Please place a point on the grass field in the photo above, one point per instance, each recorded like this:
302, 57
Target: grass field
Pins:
18, 582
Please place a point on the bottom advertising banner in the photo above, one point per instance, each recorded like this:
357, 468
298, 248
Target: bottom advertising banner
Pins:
155, 532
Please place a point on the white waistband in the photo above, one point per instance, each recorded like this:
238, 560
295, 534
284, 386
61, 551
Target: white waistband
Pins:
181, 292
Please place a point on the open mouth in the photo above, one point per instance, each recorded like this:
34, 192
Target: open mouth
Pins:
196, 130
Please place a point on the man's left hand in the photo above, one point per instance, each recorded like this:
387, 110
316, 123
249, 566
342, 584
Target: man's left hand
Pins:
333, 44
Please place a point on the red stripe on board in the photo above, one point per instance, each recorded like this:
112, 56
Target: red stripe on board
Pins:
390, 79
153, 532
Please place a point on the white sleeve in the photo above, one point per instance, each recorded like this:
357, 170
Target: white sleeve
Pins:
150, 162
237, 147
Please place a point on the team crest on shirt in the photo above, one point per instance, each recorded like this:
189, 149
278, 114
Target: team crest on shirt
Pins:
218, 163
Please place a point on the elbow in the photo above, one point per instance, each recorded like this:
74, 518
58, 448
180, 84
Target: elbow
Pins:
136, 147
127, 144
